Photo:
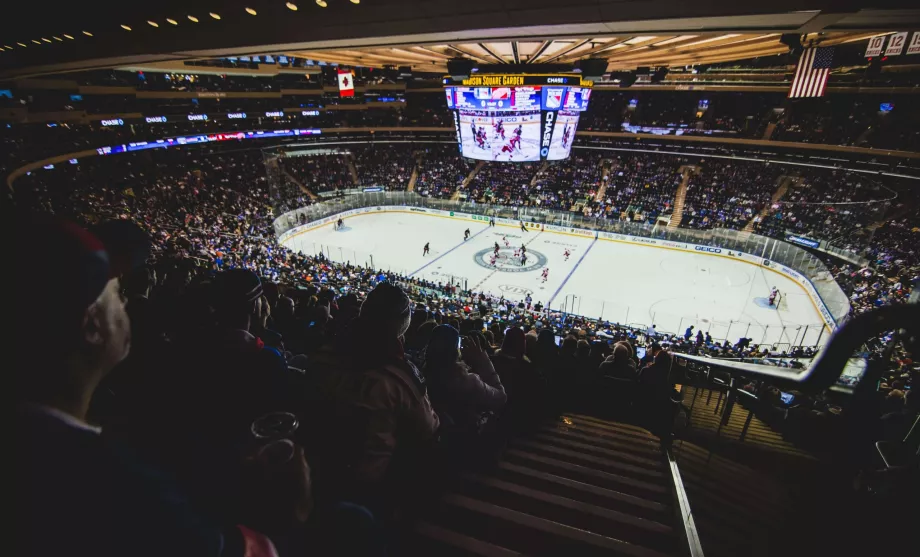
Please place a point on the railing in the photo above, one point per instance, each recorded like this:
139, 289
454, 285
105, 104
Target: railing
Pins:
807, 269
752, 440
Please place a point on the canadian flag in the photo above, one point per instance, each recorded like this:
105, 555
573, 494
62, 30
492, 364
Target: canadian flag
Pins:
346, 84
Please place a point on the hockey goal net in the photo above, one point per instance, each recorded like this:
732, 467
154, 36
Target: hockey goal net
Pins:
780, 302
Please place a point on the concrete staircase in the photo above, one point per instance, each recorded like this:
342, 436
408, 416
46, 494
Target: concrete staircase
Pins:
768, 132
353, 170
677, 213
301, 185
606, 169
536, 175
782, 186
466, 181
579, 486
414, 178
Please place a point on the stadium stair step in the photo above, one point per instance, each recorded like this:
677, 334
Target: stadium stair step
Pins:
605, 174
782, 186
413, 179
680, 197
536, 175
353, 170
579, 486
466, 181
301, 185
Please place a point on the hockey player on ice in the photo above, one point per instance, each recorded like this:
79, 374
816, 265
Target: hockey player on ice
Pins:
499, 129
545, 274
774, 292
567, 253
466, 234
507, 243
426, 249
565, 136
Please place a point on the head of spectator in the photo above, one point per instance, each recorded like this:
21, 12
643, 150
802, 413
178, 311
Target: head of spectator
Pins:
81, 315
234, 296
569, 346
514, 343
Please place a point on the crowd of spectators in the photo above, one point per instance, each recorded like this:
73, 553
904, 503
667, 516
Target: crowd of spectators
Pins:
834, 205
441, 171
571, 184
320, 172
248, 327
642, 184
728, 194
384, 165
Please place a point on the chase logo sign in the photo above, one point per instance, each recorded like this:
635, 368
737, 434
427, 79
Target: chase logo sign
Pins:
708, 249
548, 122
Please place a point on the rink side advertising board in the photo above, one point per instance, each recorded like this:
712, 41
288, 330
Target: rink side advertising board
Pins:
517, 117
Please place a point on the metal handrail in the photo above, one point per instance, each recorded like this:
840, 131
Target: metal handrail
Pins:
825, 368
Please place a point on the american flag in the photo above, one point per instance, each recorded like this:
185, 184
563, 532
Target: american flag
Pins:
812, 71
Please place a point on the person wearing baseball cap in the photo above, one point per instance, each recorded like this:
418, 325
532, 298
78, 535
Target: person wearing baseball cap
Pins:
78, 492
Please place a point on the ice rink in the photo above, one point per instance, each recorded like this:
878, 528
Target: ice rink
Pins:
616, 281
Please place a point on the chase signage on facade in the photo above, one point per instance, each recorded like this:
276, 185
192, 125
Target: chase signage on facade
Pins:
548, 121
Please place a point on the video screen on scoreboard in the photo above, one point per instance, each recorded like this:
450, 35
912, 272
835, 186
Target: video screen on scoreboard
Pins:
500, 136
497, 98
560, 144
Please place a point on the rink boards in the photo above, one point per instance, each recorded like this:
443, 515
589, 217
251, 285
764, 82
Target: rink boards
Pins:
791, 274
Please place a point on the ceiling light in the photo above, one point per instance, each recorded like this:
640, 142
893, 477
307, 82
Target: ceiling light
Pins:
321, 3
638, 39
355, 1
193, 19
36, 42
87, 33
291, 6
152, 23
250, 11
171, 21
66, 36
214, 15
55, 37
22, 45
8, 47
46, 40
125, 27
711, 39
675, 40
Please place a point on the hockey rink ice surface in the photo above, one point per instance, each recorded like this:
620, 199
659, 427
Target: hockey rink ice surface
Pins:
615, 281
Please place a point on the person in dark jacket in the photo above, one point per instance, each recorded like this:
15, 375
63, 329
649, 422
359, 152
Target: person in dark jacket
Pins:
461, 388
79, 492
621, 364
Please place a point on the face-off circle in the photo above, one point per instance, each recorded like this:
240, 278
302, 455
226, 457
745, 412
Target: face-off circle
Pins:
507, 262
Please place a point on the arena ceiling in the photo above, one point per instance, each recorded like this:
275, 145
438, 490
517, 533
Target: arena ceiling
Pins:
37, 38
622, 52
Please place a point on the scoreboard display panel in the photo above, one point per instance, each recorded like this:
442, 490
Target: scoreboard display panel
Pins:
517, 118
500, 136
560, 145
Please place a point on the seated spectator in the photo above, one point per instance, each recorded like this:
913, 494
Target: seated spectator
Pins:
82, 493
461, 388
621, 363
378, 391
525, 387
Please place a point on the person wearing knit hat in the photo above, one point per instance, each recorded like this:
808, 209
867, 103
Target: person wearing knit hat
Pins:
461, 388
381, 389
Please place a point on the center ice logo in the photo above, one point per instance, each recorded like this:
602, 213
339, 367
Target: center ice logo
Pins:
509, 260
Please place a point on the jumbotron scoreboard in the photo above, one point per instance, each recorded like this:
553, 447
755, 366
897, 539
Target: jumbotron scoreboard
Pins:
517, 117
